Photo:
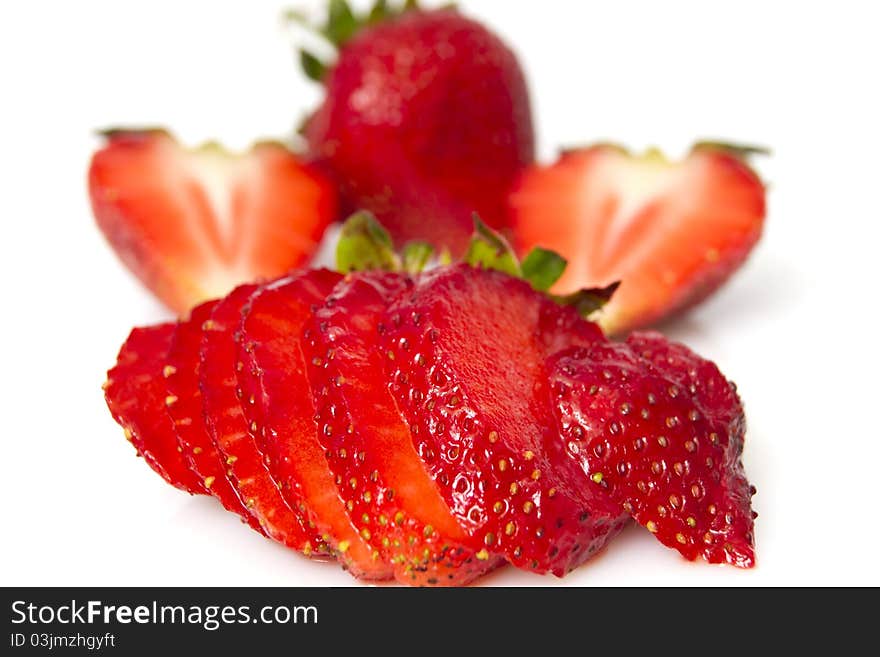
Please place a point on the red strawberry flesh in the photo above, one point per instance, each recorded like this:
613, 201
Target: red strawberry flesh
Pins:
671, 232
182, 384
388, 493
192, 224
136, 395
232, 435
279, 406
466, 352
660, 432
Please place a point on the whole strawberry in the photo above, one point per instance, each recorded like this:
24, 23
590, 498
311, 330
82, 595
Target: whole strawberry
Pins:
426, 120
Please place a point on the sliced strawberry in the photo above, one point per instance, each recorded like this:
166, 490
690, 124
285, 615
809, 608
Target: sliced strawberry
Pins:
659, 431
672, 232
466, 352
701, 378
231, 434
387, 491
136, 395
192, 224
184, 404
277, 397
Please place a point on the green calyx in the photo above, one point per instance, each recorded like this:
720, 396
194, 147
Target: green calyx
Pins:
341, 24
588, 302
489, 250
365, 245
542, 268
415, 257
742, 151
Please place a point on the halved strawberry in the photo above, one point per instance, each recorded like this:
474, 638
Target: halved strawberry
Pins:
278, 400
184, 404
387, 491
232, 435
659, 431
136, 395
192, 224
671, 232
465, 352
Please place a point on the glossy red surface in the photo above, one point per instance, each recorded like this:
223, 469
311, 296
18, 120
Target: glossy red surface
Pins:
232, 435
181, 374
389, 495
426, 120
466, 351
659, 431
135, 393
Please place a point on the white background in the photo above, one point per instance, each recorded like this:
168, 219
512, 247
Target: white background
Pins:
796, 329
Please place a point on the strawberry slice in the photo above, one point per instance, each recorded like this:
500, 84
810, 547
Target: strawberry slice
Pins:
466, 351
192, 224
386, 489
659, 431
672, 232
231, 434
700, 377
136, 395
279, 405
184, 404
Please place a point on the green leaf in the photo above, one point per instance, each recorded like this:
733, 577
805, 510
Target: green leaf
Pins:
489, 250
341, 22
588, 302
297, 17
313, 67
416, 256
341, 25
364, 244
445, 257
378, 13
742, 151
542, 268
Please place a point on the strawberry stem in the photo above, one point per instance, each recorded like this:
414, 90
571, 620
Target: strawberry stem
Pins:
364, 245
743, 151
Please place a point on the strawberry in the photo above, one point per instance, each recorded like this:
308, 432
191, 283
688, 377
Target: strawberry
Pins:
184, 405
426, 119
136, 396
231, 434
279, 407
465, 352
388, 493
672, 232
659, 431
429, 426
191, 224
